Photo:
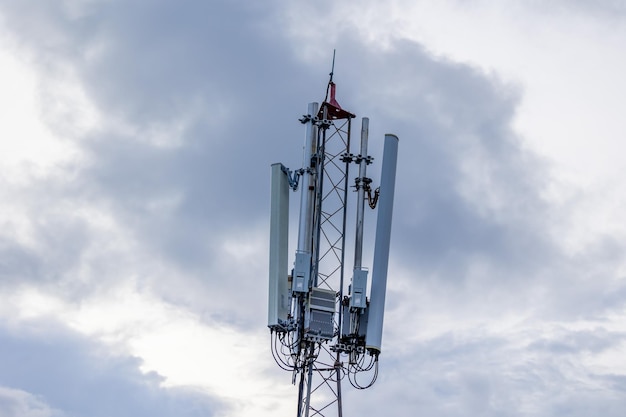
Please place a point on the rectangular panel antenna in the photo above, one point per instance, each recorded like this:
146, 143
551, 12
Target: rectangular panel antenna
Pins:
279, 291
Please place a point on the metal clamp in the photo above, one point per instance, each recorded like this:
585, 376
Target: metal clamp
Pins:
293, 177
306, 118
324, 123
357, 159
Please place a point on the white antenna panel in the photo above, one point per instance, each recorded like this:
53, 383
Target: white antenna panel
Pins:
374, 335
279, 297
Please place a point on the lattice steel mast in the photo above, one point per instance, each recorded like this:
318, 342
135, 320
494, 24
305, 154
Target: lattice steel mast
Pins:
314, 326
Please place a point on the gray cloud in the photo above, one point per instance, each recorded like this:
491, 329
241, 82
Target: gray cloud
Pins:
17, 262
611, 9
74, 376
594, 341
460, 373
141, 67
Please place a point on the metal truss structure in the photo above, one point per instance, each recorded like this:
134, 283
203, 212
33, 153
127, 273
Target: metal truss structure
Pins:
320, 332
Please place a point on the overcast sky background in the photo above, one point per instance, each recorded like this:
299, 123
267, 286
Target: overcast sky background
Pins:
136, 141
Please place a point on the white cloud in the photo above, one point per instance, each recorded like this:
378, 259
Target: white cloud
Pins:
18, 403
29, 150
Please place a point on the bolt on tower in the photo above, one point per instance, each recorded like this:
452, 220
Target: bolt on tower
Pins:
325, 330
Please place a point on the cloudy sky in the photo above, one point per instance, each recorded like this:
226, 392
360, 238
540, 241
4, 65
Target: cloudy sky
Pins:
136, 141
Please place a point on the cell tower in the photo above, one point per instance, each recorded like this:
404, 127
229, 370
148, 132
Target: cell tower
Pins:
320, 332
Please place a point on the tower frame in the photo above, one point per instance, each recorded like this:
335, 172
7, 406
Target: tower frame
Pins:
318, 332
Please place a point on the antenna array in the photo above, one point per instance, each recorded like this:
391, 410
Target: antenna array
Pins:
319, 332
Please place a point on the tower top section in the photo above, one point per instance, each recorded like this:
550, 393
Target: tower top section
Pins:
330, 108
